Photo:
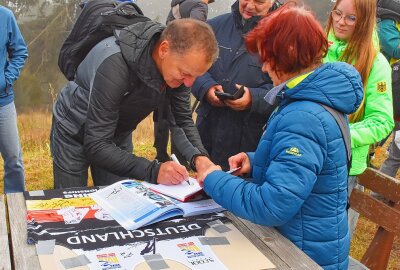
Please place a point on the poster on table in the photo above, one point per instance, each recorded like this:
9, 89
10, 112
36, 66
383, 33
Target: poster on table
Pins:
72, 232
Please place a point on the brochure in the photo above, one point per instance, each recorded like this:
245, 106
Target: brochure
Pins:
133, 205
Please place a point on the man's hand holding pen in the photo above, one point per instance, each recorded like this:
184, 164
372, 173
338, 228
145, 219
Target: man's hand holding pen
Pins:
172, 173
175, 159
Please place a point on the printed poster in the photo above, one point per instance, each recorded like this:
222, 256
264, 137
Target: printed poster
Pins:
80, 227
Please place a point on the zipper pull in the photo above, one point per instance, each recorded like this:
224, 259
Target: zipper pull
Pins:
281, 94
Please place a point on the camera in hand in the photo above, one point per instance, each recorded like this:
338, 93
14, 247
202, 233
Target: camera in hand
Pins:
224, 96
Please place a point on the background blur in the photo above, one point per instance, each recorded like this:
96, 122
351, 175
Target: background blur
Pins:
46, 23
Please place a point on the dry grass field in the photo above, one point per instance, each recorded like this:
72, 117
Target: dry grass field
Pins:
34, 128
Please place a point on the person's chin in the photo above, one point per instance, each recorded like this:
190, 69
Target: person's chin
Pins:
341, 36
340, 32
174, 84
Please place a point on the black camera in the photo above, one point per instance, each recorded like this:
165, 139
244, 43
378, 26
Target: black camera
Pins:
224, 96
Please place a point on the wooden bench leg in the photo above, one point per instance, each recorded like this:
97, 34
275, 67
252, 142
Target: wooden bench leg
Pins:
377, 255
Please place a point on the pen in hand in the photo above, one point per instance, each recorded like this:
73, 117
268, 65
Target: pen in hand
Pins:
233, 170
174, 158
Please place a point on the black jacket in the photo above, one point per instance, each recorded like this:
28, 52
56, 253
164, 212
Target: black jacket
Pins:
195, 9
388, 9
117, 87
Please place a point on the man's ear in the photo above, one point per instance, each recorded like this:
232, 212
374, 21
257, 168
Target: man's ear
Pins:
163, 49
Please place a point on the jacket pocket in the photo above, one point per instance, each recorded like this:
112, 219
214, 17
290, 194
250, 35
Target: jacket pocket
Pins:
3, 84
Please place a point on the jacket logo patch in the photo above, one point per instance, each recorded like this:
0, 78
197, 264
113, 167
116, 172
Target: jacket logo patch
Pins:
381, 87
294, 151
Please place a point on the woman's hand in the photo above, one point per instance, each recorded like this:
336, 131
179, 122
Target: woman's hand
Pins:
240, 160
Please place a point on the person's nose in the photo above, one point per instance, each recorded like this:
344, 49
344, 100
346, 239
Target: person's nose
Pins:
250, 5
341, 21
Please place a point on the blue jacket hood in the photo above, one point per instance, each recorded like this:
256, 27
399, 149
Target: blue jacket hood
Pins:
345, 97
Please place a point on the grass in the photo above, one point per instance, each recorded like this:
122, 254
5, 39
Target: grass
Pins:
34, 127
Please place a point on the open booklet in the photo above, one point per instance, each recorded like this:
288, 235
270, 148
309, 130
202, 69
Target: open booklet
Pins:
184, 191
134, 205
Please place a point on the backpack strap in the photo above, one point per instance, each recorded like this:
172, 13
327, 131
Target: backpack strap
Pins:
95, 62
344, 129
176, 12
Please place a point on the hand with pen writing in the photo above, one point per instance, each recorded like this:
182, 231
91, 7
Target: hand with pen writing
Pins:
172, 173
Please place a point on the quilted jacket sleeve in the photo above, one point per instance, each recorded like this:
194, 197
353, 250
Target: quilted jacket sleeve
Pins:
184, 133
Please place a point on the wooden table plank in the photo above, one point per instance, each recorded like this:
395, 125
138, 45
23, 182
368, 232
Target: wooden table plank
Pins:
282, 252
275, 259
24, 255
5, 261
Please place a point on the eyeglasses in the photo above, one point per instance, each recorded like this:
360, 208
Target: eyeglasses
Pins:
337, 15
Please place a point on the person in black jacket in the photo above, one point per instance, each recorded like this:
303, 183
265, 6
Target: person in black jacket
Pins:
119, 83
195, 9
180, 9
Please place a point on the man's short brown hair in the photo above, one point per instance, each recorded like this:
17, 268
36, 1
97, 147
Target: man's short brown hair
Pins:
189, 34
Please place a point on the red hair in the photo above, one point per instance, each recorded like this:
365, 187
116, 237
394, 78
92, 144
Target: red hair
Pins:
290, 39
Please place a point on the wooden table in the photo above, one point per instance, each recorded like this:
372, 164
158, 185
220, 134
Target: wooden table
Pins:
5, 262
280, 251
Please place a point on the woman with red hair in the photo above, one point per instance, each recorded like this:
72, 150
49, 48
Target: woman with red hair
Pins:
299, 169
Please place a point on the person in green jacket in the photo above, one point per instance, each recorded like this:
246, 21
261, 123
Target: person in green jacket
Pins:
352, 39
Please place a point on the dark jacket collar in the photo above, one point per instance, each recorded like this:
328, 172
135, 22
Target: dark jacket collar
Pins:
176, 2
137, 42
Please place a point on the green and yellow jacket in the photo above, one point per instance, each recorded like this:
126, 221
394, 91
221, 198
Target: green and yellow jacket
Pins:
377, 121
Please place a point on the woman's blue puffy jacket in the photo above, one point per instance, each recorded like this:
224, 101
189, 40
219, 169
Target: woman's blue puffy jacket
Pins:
299, 169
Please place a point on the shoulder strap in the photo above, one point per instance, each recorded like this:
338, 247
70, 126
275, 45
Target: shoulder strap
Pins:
344, 129
176, 12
